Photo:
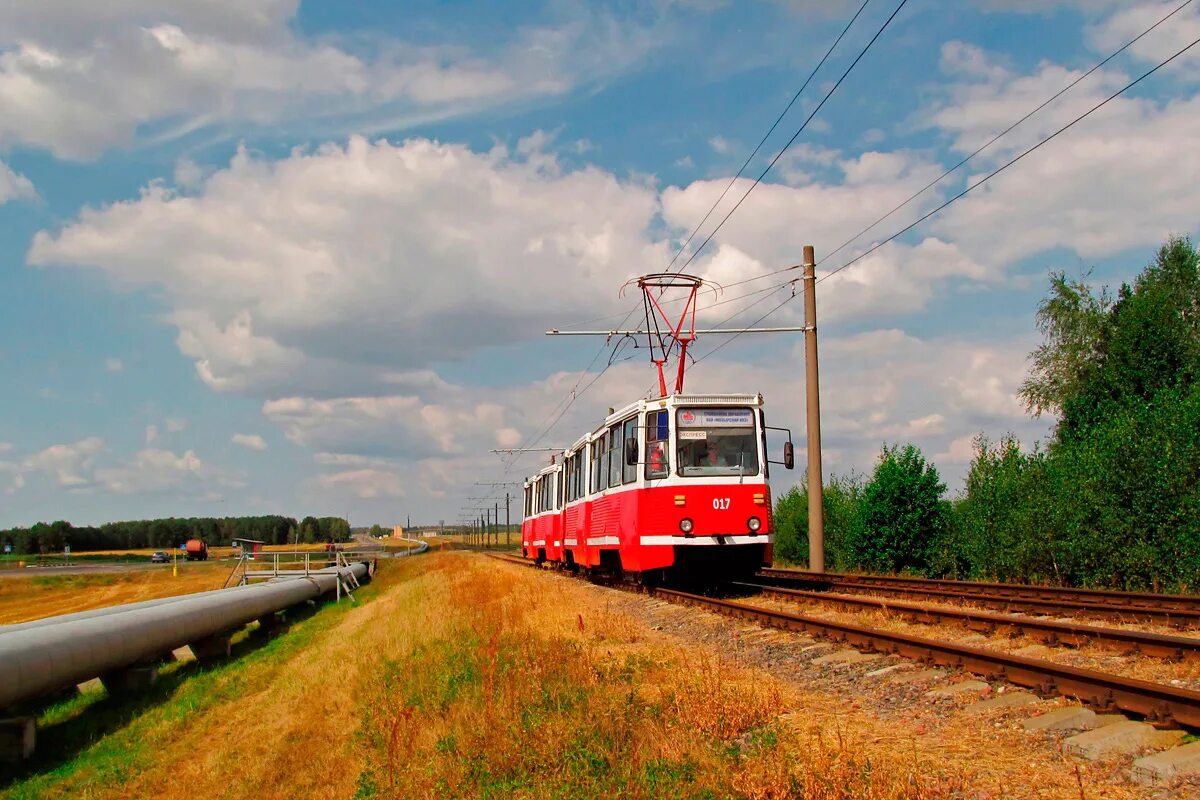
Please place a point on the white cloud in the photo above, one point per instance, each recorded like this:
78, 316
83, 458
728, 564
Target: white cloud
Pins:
152, 470
406, 425
959, 451
363, 483
5, 447
878, 387
188, 174
1120, 179
720, 145
114, 364
151, 434
299, 275
13, 186
251, 441
1115, 30
68, 464
352, 460
79, 78
765, 227
176, 424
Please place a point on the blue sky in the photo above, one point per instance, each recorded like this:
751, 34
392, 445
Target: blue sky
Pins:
295, 257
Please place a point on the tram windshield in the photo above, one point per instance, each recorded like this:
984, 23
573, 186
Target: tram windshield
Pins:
716, 442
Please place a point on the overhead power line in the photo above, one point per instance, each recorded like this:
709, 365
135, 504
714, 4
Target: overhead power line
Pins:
795, 135
574, 393
767, 135
967, 190
1015, 159
1004, 132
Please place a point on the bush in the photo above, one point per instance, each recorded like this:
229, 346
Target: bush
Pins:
843, 495
903, 519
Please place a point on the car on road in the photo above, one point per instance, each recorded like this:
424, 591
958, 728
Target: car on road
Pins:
160, 557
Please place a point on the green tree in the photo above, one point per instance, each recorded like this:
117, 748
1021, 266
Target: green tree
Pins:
1005, 520
309, 532
377, 530
1098, 355
843, 498
903, 516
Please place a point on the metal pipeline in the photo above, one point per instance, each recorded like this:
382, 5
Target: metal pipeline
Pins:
40, 659
118, 609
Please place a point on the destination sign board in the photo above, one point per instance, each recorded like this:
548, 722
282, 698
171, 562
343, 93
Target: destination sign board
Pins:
716, 418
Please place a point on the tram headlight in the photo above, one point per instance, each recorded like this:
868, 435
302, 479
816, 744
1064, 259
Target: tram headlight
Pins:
755, 524
686, 525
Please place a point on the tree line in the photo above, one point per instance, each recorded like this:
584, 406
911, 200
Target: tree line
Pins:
1112, 499
52, 537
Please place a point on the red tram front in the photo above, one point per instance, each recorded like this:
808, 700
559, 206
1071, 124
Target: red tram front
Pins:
670, 487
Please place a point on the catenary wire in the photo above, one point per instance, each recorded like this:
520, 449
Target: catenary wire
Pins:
1004, 132
574, 393
767, 135
795, 136
1014, 160
967, 190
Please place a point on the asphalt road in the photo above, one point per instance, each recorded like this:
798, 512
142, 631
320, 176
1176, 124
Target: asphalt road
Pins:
80, 569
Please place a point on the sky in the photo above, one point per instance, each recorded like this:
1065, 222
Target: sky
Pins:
273, 256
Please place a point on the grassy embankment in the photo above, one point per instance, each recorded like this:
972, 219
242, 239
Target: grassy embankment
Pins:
455, 676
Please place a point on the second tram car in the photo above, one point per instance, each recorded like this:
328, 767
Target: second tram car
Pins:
667, 488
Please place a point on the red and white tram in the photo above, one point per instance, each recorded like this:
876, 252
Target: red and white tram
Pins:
672, 487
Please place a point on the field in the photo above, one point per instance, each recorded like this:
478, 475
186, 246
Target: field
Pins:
459, 676
25, 598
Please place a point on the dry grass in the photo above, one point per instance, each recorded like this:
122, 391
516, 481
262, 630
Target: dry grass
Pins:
33, 597
458, 676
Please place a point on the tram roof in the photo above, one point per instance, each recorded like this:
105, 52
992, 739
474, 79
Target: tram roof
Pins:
644, 404
674, 400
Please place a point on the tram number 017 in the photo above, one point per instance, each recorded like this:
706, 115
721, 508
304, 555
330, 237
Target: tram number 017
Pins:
721, 503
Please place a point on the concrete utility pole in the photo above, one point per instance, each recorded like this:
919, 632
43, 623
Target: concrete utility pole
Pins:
507, 518
816, 492
495, 528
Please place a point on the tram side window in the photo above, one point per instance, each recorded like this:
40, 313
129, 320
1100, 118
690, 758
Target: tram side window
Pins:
629, 471
605, 460
580, 468
528, 491
558, 480
657, 435
615, 448
594, 484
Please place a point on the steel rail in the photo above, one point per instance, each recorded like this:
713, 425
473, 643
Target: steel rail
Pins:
1172, 648
1016, 590
38, 660
1005, 601
1156, 702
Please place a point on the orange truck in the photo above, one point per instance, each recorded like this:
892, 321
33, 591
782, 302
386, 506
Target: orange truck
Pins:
197, 550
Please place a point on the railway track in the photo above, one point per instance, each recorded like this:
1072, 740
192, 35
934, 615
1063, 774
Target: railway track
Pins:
1177, 611
1158, 703
1048, 632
